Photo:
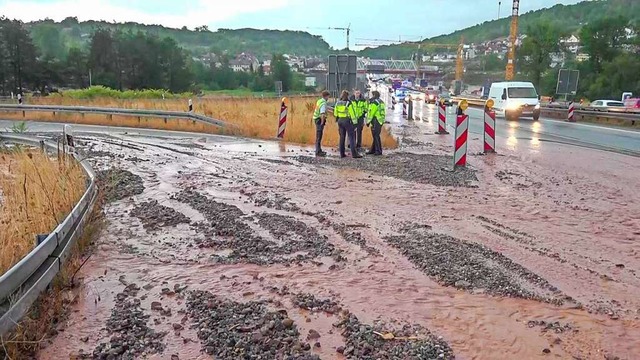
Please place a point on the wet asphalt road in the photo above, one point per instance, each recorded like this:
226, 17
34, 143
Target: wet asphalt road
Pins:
533, 134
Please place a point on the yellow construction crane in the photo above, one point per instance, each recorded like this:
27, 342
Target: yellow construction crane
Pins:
347, 30
419, 45
460, 60
513, 36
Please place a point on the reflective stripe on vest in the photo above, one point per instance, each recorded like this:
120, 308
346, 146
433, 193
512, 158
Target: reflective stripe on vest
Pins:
316, 112
354, 112
340, 110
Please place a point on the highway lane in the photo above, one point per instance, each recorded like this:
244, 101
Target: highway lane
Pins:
540, 133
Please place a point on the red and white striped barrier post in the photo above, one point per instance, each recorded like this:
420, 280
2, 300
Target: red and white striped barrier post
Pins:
442, 119
570, 114
489, 128
282, 123
462, 133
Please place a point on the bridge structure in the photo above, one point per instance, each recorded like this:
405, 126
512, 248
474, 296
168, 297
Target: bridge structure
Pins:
395, 67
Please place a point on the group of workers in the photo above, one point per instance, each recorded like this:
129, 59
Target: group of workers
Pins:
352, 114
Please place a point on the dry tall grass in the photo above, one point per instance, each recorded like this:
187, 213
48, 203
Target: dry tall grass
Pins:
37, 192
256, 118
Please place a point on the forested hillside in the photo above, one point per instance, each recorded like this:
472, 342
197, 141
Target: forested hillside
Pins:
566, 18
56, 37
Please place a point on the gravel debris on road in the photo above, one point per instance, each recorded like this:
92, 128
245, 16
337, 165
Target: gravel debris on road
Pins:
226, 228
409, 342
419, 168
272, 200
234, 330
471, 266
550, 326
118, 184
309, 302
155, 216
131, 338
355, 237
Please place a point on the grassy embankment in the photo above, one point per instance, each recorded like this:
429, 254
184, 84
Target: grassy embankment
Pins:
252, 117
36, 193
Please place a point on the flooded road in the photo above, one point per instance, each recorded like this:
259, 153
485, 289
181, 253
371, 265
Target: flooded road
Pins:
235, 247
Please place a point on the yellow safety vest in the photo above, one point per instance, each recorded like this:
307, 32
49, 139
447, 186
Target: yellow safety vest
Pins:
340, 110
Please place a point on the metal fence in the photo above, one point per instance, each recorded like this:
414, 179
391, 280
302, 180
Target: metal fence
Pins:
21, 285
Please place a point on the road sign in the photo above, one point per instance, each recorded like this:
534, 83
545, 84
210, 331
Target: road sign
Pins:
343, 71
567, 82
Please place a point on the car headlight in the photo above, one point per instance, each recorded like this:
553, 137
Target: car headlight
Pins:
537, 107
512, 106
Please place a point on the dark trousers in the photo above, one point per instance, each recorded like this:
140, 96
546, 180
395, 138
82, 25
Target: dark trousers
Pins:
358, 129
346, 128
319, 131
376, 129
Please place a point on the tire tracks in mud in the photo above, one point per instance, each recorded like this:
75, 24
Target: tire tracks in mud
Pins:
226, 226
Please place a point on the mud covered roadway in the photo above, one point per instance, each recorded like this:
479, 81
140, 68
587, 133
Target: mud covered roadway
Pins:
223, 248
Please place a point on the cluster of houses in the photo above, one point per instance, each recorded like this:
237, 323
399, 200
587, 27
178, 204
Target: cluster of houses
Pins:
248, 62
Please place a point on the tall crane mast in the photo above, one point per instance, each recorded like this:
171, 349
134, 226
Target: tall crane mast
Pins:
513, 36
460, 60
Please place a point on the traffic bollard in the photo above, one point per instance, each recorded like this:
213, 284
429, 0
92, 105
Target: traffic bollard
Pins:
489, 127
570, 113
190, 105
442, 119
462, 133
282, 123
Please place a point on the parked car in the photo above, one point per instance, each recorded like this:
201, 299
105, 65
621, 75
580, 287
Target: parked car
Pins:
632, 103
446, 97
601, 104
515, 99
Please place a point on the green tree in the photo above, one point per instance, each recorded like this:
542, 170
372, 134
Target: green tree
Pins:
281, 71
541, 42
620, 75
49, 39
602, 40
75, 68
18, 57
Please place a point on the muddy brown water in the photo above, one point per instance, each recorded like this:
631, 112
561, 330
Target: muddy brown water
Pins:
568, 221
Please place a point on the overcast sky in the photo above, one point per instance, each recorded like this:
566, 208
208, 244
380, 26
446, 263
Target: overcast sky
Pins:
373, 19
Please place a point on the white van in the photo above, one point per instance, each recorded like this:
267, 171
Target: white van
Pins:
515, 99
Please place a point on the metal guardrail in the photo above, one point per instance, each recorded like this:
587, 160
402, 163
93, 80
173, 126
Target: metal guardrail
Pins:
560, 110
21, 285
112, 111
